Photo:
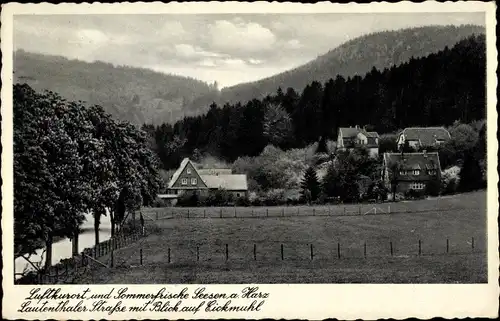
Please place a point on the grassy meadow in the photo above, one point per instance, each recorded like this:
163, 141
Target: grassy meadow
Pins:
308, 248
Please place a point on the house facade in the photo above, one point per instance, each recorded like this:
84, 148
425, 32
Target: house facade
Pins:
189, 178
411, 171
423, 137
353, 137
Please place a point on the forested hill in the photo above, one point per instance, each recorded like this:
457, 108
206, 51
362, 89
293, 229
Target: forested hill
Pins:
355, 57
132, 94
436, 90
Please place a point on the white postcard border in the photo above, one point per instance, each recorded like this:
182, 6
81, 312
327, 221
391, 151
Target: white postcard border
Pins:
318, 301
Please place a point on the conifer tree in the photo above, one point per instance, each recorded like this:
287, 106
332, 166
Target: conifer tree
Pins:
310, 185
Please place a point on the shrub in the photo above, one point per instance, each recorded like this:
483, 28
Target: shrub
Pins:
414, 194
188, 199
242, 201
433, 188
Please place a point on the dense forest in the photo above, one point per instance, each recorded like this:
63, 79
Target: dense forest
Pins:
129, 94
355, 57
143, 96
439, 89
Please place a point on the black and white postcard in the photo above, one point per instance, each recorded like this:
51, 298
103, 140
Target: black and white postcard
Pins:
249, 160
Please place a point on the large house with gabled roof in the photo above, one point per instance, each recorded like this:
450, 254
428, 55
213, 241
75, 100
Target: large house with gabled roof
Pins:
189, 178
353, 137
423, 137
410, 170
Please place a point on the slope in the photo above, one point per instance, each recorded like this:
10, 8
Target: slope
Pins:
356, 57
131, 94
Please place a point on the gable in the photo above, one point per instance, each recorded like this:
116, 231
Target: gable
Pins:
186, 174
423, 163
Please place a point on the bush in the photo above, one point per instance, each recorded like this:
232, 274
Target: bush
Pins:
242, 201
433, 188
274, 197
450, 186
414, 194
188, 199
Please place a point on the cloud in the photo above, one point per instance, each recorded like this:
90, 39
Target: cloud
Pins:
293, 44
89, 37
237, 36
187, 51
255, 61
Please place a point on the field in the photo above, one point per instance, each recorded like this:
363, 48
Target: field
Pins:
430, 241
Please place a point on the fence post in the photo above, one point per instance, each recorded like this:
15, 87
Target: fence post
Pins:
235, 212
344, 210
188, 212
447, 246
140, 255
419, 247
338, 250
204, 213
389, 209
283, 212
112, 258
156, 213
227, 252
197, 253
392, 251
220, 212
364, 250
282, 257
314, 211
252, 212
254, 252
329, 210
172, 212
312, 254
168, 255
472, 244
298, 210
359, 210
267, 212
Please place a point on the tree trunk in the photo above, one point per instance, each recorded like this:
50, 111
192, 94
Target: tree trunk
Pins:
97, 222
112, 219
74, 243
48, 252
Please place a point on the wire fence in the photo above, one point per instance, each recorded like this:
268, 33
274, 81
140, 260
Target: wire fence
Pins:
189, 253
291, 211
67, 270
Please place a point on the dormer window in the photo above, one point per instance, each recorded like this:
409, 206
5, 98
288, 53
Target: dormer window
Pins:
184, 181
402, 172
188, 171
416, 172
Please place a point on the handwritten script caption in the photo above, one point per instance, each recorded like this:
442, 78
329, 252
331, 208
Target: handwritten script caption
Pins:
125, 300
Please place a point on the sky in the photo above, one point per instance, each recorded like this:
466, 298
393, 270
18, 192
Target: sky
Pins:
227, 48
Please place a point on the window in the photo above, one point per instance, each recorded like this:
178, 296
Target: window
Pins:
188, 171
417, 186
432, 172
194, 181
416, 172
184, 181
402, 172
237, 194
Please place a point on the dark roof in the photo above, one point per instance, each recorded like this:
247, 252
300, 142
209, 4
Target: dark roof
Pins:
426, 135
414, 161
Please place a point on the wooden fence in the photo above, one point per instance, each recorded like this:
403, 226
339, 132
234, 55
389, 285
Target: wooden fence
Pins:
285, 211
68, 269
283, 251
